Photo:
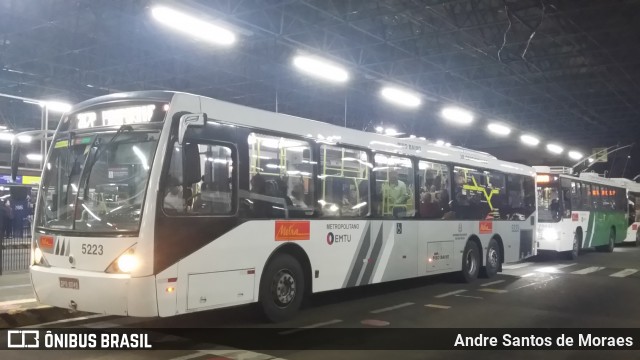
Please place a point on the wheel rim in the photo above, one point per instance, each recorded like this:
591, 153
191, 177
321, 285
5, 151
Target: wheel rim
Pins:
283, 288
493, 257
471, 262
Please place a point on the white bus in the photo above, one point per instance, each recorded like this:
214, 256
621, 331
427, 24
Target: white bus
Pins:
633, 214
161, 203
578, 212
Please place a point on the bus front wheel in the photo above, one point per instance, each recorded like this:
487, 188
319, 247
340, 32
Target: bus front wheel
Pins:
470, 262
281, 288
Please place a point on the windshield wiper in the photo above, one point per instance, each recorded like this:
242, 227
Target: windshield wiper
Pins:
99, 152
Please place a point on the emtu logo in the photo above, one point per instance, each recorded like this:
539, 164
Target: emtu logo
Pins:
330, 238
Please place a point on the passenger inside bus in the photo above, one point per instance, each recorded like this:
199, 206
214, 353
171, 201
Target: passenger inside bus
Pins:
173, 199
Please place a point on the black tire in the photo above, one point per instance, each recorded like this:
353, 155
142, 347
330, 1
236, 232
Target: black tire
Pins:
638, 238
471, 262
492, 261
575, 250
281, 288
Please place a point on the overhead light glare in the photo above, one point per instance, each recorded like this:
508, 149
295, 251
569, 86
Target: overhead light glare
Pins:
193, 26
56, 106
440, 142
530, 140
457, 115
499, 129
34, 157
401, 97
575, 155
6, 136
556, 149
379, 129
320, 69
391, 132
24, 138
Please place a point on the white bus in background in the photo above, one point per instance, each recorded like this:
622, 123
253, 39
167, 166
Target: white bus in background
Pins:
578, 212
161, 203
633, 214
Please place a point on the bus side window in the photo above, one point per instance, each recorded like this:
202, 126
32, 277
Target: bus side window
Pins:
394, 186
344, 182
280, 171
200, 180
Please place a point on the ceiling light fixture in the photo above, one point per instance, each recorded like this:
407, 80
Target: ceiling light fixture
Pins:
320, 69
193, 26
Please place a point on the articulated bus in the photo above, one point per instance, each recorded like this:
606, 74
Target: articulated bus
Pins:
161, 203
578, 212
633, 215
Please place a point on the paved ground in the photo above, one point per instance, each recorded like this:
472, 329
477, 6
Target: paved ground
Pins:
598, 290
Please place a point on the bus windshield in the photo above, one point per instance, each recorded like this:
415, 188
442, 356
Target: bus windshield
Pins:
97, 183
549, 203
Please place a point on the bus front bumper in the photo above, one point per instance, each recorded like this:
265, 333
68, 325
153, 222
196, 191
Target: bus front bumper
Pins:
93, 292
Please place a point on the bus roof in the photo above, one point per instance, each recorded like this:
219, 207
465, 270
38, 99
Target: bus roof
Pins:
628, 184
226, 112
590, 177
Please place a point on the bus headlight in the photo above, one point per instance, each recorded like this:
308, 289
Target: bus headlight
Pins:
37, 255
125, 263
550, 234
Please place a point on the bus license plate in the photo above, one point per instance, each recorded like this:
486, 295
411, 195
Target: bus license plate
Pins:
69, 283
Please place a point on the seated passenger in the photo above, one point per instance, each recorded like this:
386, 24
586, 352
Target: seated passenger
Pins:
297, 196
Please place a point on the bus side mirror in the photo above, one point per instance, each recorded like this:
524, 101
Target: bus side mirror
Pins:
190, 120
15, 158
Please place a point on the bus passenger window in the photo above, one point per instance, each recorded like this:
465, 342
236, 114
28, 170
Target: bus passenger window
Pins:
344, 177
281, 177
434, 190
394, 186
208, 186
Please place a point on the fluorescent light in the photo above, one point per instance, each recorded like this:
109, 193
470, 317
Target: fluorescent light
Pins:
320, 68
24, 138
499, 129
5, 136
556, 149
530, 140
401, 97
591, 160
457, 115
34, 157
575, 155
193, 26
56, 106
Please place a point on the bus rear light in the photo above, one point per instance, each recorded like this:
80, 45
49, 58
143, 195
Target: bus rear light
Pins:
170, 289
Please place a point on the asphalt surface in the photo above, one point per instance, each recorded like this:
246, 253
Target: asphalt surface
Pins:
598, 290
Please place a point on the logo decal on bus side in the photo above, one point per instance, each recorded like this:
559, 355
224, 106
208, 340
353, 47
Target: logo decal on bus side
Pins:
486, 227
292, 230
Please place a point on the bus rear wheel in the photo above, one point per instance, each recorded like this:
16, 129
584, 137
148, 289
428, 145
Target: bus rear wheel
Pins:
638, 238
492, 263
470, 262
281, 288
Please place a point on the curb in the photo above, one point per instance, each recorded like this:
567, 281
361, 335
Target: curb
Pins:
15, 318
